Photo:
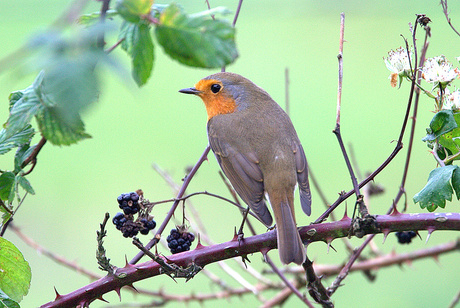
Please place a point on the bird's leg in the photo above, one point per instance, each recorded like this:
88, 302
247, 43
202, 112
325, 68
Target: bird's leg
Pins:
240, 231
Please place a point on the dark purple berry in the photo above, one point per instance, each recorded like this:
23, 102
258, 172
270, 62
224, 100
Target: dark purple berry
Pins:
151, 224
173, 244
144, 231
134, 197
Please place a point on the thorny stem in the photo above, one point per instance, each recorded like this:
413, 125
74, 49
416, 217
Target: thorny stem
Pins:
160, 229
344, 272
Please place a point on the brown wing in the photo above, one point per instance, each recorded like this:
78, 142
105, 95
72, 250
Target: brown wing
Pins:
244, 173
302, 178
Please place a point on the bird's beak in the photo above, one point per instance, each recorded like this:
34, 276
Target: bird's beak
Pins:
190, 91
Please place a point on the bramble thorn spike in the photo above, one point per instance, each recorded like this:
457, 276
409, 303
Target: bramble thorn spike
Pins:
385, 235
118, 291
132, 287
102, 299
395, 211
418, 234
57, 294
430, 231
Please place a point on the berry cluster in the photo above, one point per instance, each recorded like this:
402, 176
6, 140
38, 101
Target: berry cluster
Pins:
125, 221
179, 240
405, 237
129, 203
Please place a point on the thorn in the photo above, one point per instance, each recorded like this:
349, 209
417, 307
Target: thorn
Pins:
436, 259
235, 236
385, 234
118, 290
132, 287
244, 258
430, 230
329, 242
395, 211
102, 299
57, 294
418, 234
345, 216
198, 244
264, 252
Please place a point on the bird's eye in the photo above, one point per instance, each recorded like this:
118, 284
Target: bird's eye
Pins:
215, 88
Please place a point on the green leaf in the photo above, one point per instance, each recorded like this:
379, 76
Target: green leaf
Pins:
7, 186
58, 131
95, 17
196, 40
437, 190
451, 139
15, 272
5, 214
25, 184
456, 182
139, 45
442, 122
19, 138
22, 153
24, 105
7, 302
133, 10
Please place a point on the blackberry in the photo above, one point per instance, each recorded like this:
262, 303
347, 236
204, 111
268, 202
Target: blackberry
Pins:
119, 220
179, 240
405, 237
128, 202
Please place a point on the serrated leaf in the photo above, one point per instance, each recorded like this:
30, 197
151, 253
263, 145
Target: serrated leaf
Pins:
59, 132
437, 190
15, 272
22, 153
25, 105
25, 184
196, 40
442, 123
19, 138
7, 185
141, 52
132, 10
7, 302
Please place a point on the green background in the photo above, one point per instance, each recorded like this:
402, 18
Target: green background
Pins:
133, 128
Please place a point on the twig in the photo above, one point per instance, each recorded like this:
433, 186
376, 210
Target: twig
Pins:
336, 130
455, 301
287, 282
446, 13
160, 229
33, 156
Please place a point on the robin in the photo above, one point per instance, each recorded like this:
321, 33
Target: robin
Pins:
258, 150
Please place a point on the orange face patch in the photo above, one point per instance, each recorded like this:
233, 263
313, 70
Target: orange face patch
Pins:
221, 102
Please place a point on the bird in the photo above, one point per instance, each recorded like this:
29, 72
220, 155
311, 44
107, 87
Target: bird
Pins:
258, 150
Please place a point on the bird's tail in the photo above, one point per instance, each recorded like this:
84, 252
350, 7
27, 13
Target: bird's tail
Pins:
290, 246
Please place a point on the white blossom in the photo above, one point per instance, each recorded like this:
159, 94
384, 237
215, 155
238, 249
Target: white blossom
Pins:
438, 70
398, 63
451, 100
